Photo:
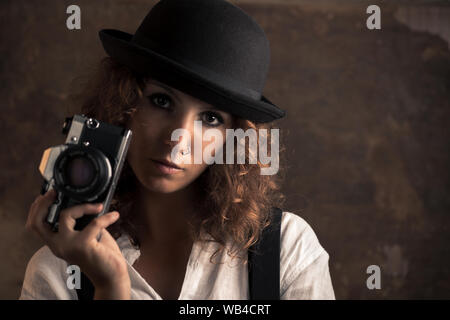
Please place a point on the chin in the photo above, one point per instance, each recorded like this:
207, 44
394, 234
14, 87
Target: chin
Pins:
164, 185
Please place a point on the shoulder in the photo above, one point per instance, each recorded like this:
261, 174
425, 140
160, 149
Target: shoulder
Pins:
300, 246
45, 277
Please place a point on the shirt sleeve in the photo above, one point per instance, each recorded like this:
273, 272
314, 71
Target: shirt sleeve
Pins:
304, 270
46, 278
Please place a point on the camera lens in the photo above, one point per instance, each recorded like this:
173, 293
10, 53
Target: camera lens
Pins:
80, 172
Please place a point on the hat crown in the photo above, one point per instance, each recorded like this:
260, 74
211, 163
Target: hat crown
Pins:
213, 35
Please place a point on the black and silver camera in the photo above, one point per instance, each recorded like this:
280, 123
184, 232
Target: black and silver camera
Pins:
86, 168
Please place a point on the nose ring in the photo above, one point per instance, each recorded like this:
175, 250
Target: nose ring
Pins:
186, 151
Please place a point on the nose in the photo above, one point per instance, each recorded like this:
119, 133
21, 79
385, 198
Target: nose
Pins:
182, 120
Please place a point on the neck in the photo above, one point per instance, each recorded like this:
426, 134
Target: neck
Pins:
163, 218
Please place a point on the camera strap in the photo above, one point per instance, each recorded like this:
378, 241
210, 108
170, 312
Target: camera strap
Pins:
263, 265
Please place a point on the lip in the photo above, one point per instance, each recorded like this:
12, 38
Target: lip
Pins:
167, 167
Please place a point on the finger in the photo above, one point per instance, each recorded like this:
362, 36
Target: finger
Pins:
34, 206
36, 220
36, 200
99, 235
67, 216
31, 213
92, 230
40, 204
106, 238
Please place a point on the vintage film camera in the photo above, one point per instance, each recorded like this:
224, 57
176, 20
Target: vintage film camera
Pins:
86, 168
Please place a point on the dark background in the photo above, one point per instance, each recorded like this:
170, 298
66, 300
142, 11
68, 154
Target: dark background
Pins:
367, 127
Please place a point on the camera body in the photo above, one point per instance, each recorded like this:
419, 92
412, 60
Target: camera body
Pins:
86, 168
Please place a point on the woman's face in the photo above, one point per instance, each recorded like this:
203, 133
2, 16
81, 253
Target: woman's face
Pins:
162, 110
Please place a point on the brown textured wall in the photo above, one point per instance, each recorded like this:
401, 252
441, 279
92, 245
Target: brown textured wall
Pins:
367, 129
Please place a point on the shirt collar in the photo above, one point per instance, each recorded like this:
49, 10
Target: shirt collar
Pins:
130, 253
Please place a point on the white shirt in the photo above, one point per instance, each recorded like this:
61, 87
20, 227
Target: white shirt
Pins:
304, 272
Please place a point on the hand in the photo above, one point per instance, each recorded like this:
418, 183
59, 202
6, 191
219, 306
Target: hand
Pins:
102, 261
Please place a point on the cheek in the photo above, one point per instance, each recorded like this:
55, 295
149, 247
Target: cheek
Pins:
144, 130
214, 144
193, 172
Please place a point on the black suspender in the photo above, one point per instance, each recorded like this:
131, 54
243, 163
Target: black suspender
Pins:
86, 292
263, 265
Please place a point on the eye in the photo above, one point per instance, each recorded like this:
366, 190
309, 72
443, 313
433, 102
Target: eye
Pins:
212, 119
160, 100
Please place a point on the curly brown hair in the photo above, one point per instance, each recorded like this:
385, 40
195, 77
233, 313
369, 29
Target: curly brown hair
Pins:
237, 197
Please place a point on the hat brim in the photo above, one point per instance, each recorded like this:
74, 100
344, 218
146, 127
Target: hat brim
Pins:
118, 45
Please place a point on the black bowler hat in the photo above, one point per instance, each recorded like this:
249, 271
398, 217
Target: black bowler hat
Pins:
209, 49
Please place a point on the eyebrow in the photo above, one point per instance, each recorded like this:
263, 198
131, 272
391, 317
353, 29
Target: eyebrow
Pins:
162, 85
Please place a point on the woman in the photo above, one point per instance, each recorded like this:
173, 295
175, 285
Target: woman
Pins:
179, 232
